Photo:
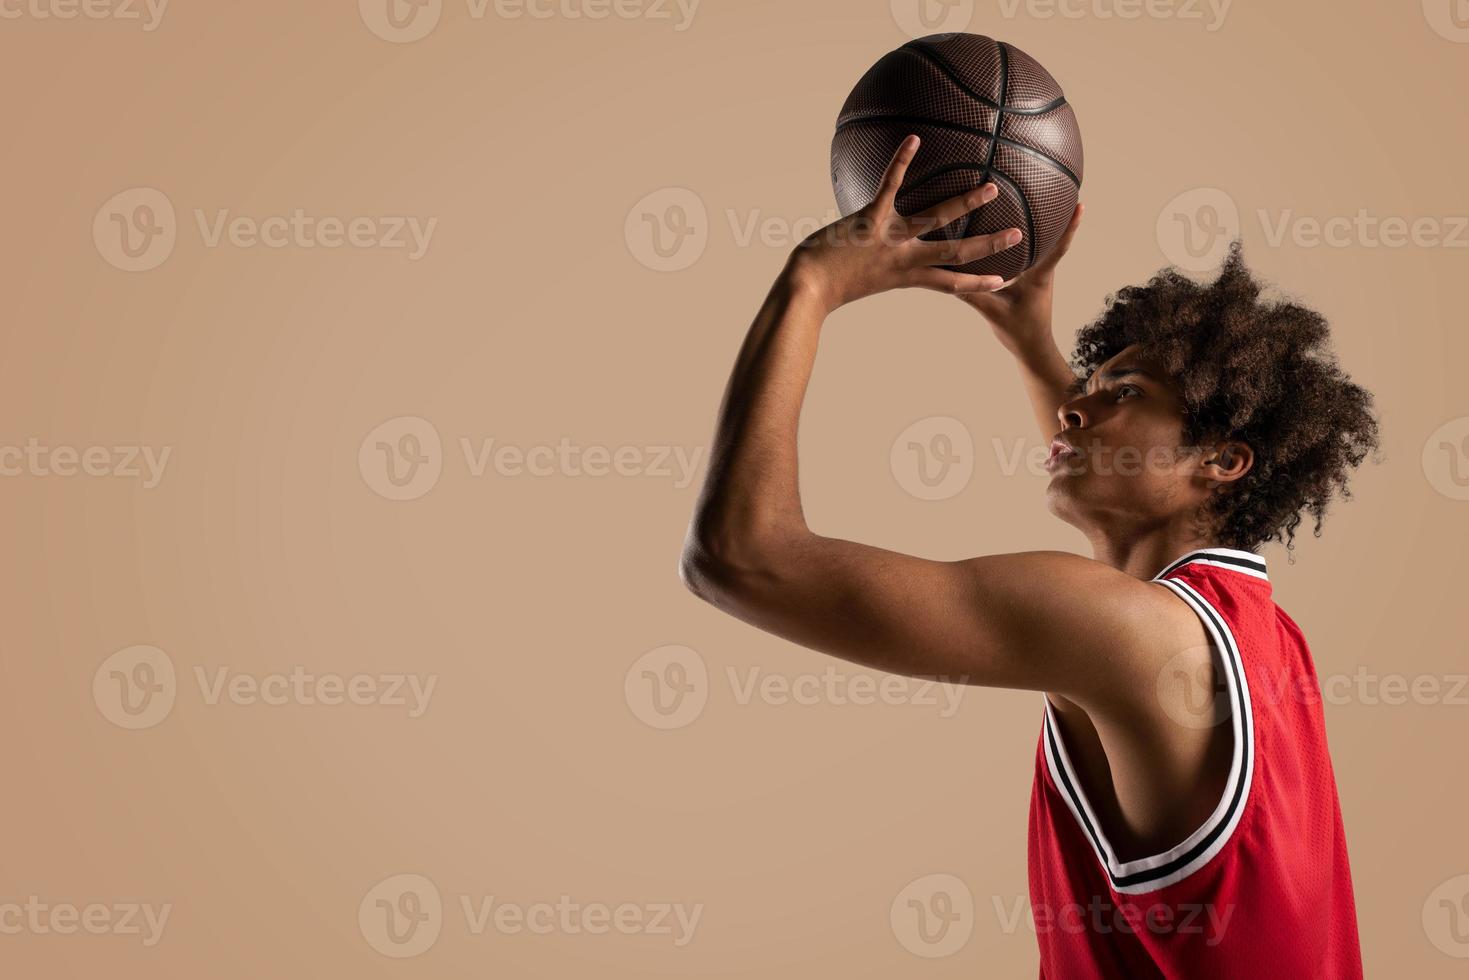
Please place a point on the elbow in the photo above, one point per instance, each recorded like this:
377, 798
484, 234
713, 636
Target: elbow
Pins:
731, 569
699, 573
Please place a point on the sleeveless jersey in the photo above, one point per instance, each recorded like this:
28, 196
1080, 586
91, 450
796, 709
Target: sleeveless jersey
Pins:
1263, 887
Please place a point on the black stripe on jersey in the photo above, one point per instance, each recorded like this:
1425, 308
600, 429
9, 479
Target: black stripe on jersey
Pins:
1223, 558
1178, 867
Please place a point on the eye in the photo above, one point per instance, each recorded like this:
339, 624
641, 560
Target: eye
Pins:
1124, 391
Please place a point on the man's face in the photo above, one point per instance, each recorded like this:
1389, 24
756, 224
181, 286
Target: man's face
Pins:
1117, 459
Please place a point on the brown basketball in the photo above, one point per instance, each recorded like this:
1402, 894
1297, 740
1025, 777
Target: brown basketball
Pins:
983, 109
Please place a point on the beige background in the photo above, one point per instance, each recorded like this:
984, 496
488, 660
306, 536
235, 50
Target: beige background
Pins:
538, 315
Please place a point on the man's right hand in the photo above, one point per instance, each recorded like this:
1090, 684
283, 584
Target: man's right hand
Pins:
1020, 311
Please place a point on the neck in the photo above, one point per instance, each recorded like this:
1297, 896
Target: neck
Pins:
1144, 554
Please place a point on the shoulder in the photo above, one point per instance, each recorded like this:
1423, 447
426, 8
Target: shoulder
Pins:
1085, 591
1117, 633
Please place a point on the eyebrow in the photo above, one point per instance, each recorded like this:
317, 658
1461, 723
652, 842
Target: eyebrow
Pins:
1078, 387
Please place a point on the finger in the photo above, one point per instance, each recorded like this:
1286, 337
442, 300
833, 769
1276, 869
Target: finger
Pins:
958, 251
892, 178
991, 300
953, 209
946, 281
987, 301
1064, 243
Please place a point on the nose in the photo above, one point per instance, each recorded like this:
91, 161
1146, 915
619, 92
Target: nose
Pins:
1072, 414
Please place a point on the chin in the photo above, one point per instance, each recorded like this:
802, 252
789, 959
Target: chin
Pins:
1074, 499
1061, 498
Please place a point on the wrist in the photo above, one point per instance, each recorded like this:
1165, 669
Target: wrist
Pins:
806, 282
1026, 333
1042, 358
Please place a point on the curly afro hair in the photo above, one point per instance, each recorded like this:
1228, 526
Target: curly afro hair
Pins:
1254, 370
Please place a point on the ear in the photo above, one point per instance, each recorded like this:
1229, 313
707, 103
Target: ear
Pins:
1226, 462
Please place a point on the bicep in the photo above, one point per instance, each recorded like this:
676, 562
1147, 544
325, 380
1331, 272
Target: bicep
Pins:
1034, 620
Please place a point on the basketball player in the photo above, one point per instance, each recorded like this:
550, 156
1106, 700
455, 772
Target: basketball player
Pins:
1167, 838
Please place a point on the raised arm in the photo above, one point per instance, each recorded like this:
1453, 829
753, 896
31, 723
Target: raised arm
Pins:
1020, 315
1043, 620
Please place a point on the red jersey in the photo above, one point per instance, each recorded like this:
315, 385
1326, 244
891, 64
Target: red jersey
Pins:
1263, 887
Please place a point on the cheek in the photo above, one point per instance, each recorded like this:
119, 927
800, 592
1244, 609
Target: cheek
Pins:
1158, 436
1152, 452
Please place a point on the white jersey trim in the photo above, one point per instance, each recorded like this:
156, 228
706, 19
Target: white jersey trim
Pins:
1244, 562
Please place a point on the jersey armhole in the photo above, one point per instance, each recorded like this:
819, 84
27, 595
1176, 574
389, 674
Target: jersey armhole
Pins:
1157, 871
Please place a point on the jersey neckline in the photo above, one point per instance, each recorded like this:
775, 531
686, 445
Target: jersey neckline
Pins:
1233, 559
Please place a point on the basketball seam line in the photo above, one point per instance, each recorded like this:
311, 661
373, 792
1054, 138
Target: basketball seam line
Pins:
999, 110
990, 163
939, 63
973, 130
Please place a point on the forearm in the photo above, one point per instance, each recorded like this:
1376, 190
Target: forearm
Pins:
1046, 376
1020, 316
751, 495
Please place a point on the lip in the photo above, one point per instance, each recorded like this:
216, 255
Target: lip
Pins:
1061, 450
